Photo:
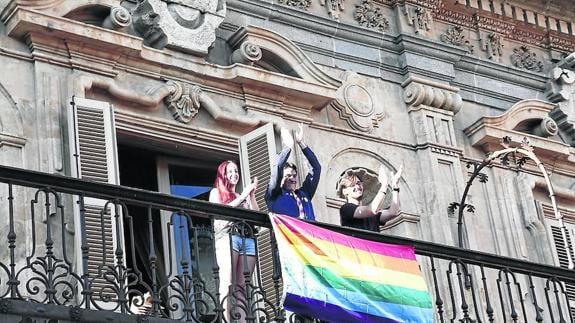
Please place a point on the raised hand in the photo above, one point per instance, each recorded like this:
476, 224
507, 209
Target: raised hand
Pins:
287, 139
299, 133
382, 178
252, 186
395, 178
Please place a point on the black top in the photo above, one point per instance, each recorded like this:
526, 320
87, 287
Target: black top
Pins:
346, 218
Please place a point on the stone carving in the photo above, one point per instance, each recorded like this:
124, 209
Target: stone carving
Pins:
301, 4
334, 7
523, 57
454, 36
493, 46
187, 25
560, 84
183, 101
247, 53
440, 96
355, 103
118, 19
547, 128
565, 124
370, 16
419, 17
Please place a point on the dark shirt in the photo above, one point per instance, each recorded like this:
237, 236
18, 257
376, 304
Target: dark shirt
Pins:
346, 213
281, 201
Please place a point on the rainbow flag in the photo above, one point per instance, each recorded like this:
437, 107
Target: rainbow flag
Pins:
339, 278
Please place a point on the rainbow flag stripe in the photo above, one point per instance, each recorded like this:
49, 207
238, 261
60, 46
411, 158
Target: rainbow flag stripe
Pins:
339, 278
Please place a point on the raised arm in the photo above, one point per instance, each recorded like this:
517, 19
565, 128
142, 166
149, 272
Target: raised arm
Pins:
276, 175
312, 178
394, 208
253, 202
366, 211
248, 191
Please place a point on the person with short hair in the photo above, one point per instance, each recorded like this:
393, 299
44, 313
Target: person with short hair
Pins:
368, 217
282, 195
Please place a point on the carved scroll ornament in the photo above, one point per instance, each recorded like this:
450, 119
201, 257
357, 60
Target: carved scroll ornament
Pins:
183, 101
416, 94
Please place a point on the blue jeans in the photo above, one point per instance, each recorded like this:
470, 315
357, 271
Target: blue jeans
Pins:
243, 245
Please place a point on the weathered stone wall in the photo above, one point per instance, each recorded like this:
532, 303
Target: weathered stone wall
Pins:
397, 82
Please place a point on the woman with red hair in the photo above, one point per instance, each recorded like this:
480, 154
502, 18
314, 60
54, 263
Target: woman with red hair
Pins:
243, 245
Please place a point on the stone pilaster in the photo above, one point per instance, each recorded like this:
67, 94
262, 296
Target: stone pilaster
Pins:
561, 90
431, 107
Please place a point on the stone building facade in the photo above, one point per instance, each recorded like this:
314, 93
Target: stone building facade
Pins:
429, 84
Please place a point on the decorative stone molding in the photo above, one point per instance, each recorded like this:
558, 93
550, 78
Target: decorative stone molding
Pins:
276, 45
301, 4
431, 94
370, 16
183, 101
334, 7
119, 19
186, 25
247, 53
519, 28
146, 24
454, 36
493, 46
561, 86
523, 57
418, 17
565, 125
531, 119
356, 105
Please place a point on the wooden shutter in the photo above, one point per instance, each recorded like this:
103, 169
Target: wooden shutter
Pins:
562, 248
257, 156
93, 140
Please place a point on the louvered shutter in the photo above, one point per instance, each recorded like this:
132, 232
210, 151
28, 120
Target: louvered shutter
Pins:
257, 153
561, 248
93, 139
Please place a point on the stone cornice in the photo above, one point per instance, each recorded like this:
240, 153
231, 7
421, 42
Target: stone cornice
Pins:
495, 20
502, 72
486, 133
105, 52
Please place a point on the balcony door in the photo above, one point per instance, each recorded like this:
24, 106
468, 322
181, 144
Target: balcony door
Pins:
191, 242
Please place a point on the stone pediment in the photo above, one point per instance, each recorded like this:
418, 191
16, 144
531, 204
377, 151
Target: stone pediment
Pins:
271, 51
526, 119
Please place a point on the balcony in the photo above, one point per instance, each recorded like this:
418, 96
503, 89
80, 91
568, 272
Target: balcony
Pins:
89, 252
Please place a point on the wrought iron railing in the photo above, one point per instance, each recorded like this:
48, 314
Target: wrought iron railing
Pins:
164, 271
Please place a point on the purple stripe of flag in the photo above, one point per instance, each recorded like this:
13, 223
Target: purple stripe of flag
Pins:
329, 312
